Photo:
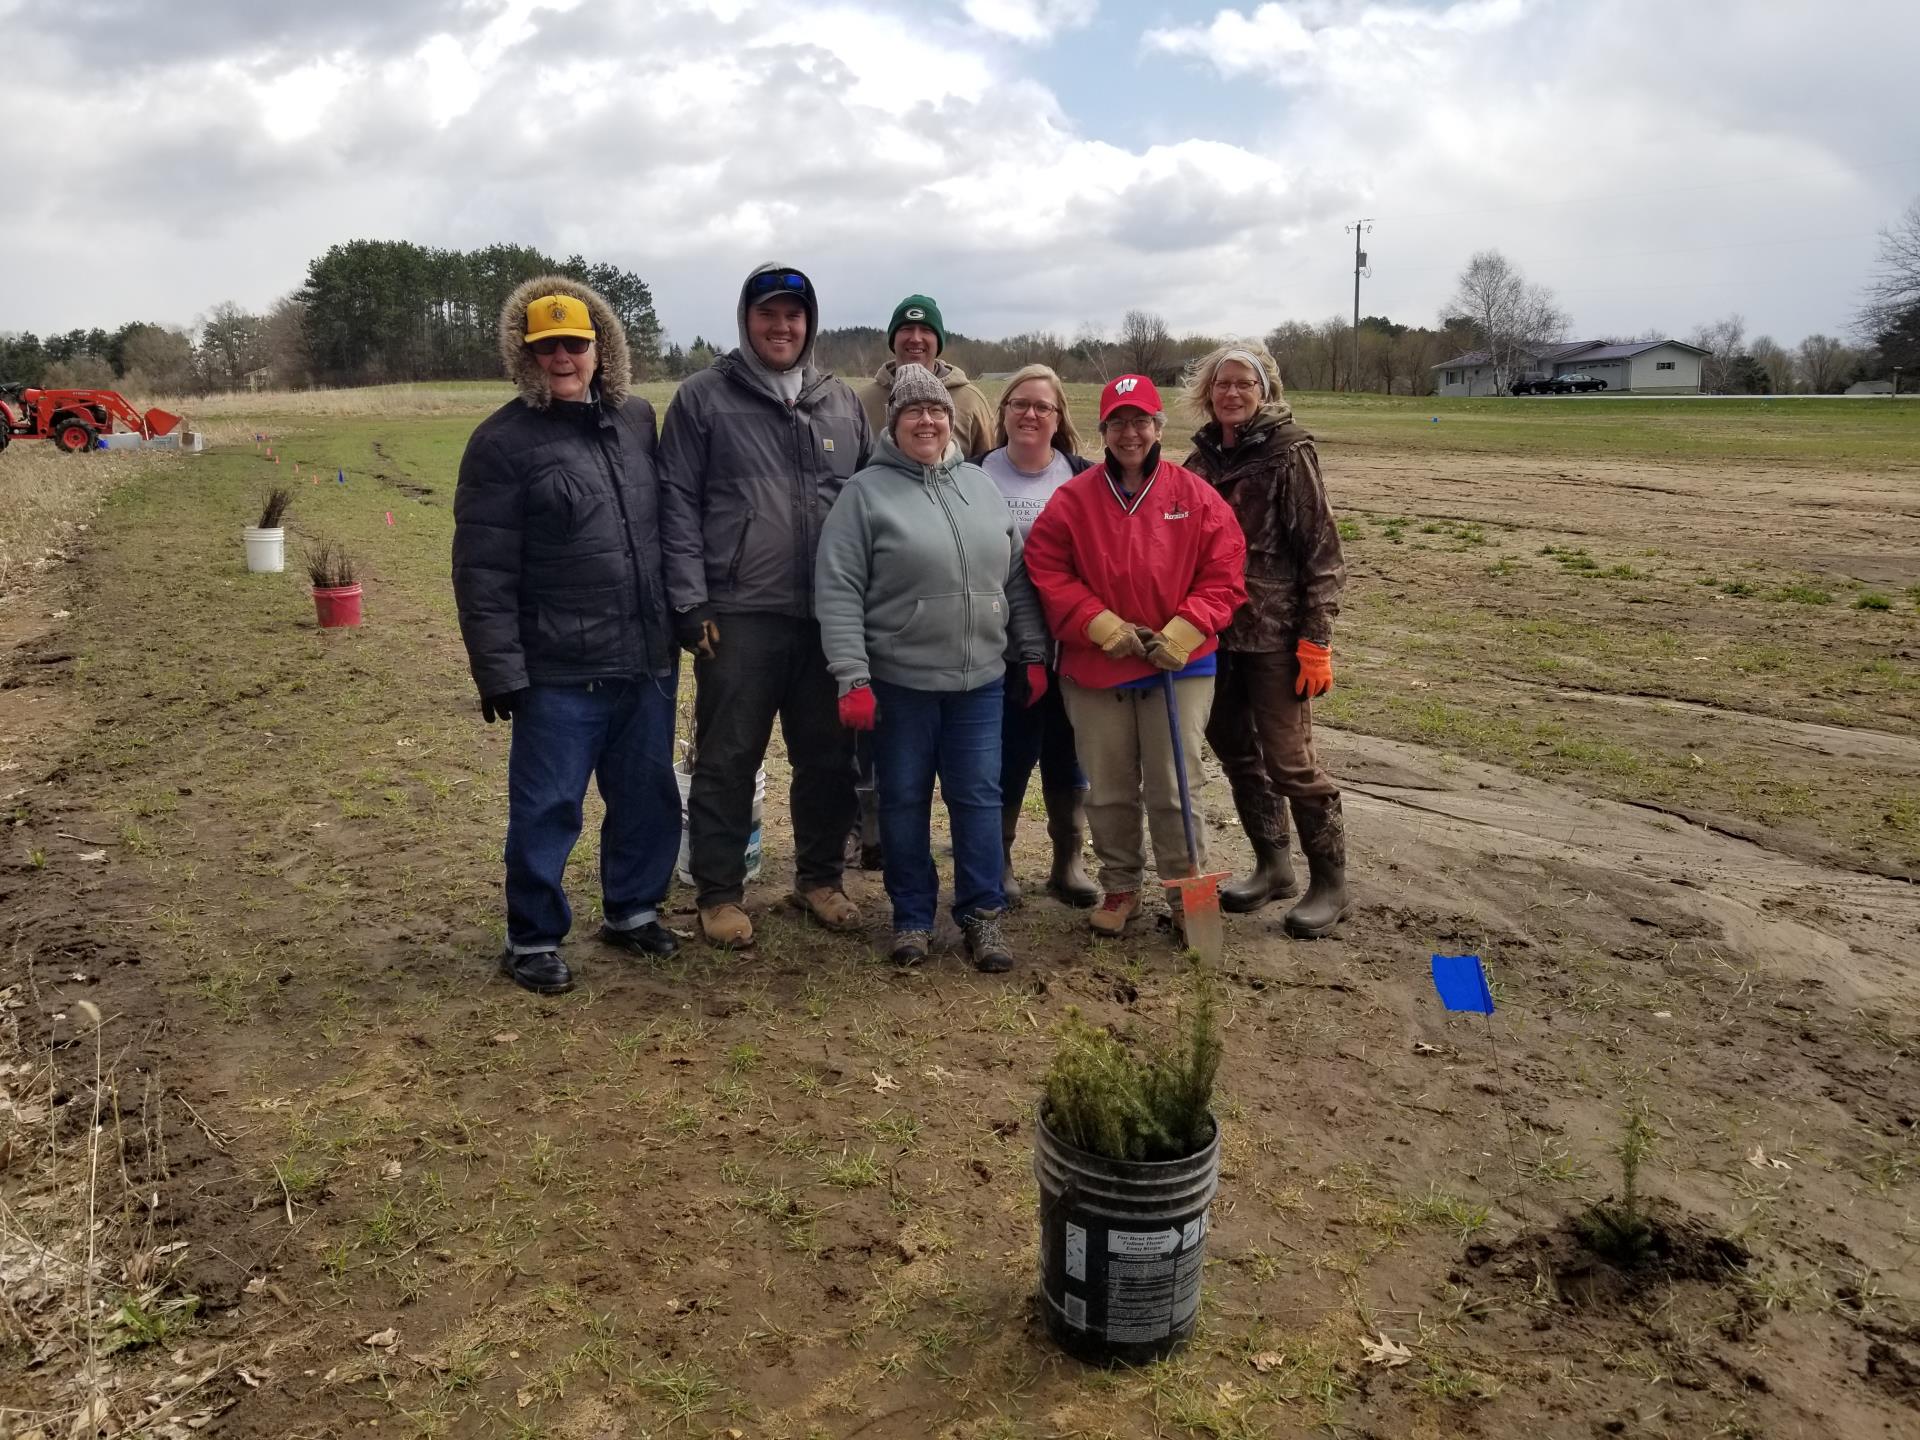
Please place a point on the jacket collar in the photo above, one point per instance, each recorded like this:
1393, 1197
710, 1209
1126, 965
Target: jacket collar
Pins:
735, 366
887, 453
1150, 472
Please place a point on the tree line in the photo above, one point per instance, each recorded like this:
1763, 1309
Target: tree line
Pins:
380, 311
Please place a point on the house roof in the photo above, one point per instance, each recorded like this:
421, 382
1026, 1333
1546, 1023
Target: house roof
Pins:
1574, 350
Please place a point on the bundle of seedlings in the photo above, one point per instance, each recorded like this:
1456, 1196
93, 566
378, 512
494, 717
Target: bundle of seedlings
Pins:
273, 512
1118, 1103
330, 566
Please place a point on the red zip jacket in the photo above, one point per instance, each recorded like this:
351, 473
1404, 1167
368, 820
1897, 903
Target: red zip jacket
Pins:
1174, 549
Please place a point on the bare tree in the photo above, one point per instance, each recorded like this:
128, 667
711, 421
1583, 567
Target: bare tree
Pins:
1145, 345
1510, 317
283, 342
1774, 362
1895, 288
1824, 362
230, 341
160, 361
1723, 341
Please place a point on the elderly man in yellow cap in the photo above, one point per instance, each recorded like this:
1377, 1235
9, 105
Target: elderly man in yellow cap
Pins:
557, 575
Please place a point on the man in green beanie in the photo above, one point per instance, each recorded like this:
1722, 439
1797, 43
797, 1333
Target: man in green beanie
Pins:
916, 335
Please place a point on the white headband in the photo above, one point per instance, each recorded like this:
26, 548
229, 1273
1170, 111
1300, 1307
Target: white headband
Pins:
1246, 358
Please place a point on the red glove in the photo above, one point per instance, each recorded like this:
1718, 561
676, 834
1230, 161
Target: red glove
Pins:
857, 708
1316, 669
1036, 684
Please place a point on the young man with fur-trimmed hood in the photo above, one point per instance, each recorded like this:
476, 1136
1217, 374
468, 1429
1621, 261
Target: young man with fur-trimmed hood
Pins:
756, 449
557, 576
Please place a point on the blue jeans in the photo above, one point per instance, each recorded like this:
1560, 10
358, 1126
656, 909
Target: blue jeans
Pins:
956, 736
1042, 733
620, 733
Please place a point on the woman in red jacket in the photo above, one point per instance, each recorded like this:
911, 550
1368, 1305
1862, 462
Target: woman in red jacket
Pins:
1139, 565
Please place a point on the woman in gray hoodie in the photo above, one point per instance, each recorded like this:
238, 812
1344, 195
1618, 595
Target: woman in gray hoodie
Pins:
923, 599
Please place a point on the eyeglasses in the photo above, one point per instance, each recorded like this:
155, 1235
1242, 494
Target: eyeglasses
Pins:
1032, 407
776, 280
922, 412
572, 344
1130, 422
1237, 387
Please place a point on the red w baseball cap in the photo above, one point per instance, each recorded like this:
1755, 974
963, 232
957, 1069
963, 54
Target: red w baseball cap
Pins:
1125, 390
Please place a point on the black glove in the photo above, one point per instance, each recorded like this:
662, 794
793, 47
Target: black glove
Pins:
696, 632
503, 705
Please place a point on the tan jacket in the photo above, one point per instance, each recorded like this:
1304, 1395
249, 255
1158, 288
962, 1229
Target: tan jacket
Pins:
972, 415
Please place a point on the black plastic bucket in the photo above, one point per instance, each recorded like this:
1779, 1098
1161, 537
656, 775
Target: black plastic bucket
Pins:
1122, 1247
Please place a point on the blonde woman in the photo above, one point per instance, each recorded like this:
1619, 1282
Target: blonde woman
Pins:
1037, 450
1277, 654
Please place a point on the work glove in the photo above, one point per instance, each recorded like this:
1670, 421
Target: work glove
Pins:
697, 632
1036, 685
1172, 645
1116, 638
858, 709
1316, 669
502, 706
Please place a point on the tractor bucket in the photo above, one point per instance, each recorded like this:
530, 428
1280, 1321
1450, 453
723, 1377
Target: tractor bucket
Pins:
160, 422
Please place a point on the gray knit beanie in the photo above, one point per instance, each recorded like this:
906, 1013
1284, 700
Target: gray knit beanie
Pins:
916, 385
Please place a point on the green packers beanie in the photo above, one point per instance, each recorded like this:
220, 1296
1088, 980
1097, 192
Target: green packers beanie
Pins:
918, 310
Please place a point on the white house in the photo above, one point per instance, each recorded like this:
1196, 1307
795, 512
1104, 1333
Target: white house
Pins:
1641, 367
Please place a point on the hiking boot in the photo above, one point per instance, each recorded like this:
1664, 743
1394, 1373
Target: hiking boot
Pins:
1271, 879
541, 971
1116, 909
828, 906
1009, 825
1323, 838
909, 947
1067, 828
985, 943
652, 939
727, 926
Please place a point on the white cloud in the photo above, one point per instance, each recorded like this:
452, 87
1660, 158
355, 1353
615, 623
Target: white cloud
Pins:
1030, 20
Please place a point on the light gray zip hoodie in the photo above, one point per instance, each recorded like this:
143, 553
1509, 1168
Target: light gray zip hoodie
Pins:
919, 580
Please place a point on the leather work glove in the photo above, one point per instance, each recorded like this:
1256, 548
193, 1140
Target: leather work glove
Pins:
502, 706
1316, 669
858, 710
1036, 685
1116, 638
1172, 646
697, 632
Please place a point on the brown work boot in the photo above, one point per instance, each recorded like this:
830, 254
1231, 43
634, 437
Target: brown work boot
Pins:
1067, 828
1009, 826
828, 906
1115, 911
1271, 878
1323, 839
985, 944
727, 926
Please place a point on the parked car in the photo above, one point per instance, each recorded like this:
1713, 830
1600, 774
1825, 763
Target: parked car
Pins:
1573, 384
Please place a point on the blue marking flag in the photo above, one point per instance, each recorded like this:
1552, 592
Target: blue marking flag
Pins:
343, 476
1462, 983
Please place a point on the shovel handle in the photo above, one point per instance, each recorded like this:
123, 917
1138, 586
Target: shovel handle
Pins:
1180, 769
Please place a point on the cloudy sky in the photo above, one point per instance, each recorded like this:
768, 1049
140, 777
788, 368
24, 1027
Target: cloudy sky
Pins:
1032, 163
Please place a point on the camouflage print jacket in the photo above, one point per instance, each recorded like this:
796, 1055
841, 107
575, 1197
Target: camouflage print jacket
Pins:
1271, 478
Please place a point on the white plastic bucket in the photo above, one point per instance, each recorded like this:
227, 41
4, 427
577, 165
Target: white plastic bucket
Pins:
266, 549
685, 782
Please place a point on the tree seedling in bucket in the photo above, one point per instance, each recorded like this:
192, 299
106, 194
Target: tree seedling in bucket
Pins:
266, 542
336, 588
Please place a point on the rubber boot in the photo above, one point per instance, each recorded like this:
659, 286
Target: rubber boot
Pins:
1323, 838
1009, 826
1270, 879
1067, 828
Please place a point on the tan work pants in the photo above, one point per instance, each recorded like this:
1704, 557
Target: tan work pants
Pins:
1126, 750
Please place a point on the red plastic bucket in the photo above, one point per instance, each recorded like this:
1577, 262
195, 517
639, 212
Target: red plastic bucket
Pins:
337, 606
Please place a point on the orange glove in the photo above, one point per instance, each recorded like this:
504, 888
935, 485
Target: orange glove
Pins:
1316, 669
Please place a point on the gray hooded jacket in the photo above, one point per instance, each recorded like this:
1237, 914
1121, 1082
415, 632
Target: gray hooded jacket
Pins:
920, 579
746, 480
556, 542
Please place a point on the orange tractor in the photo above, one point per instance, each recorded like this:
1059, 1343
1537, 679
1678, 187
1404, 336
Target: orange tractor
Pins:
73, 419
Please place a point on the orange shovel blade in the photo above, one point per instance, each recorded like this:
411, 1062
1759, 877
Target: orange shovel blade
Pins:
1199, 905
159, 422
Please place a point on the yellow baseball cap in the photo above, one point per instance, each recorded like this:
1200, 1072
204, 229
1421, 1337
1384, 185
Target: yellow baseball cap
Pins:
553, 315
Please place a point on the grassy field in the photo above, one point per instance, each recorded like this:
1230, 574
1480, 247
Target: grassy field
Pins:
1617, 709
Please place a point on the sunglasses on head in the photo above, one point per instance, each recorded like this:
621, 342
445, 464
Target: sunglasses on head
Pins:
574, 345
777, 280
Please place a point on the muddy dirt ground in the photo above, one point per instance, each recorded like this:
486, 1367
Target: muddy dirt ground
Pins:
789, 1194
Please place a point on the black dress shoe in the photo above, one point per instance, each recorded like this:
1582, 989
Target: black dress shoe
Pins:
543, 971
652, 938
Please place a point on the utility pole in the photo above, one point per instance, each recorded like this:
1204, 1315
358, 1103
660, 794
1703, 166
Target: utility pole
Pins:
1358, 228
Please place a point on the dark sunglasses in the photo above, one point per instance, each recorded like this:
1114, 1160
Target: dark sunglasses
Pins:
573, 343
774, 280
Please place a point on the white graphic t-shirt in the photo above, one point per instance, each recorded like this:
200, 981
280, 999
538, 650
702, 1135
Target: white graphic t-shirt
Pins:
1026, 493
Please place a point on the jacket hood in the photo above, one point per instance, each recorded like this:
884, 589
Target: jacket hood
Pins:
1267, 419
809, 300
615, 375
886, 453
951, 375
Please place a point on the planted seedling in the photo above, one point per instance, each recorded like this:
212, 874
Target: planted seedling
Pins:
1621, 1232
